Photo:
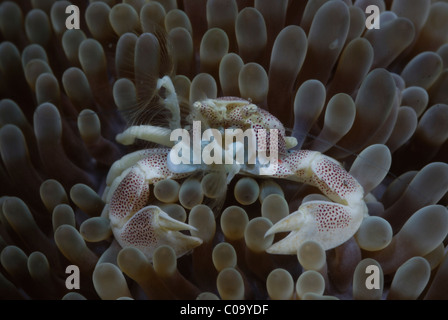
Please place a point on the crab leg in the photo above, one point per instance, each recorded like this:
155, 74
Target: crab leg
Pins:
120, 168
329, 223
146, 227
145, 132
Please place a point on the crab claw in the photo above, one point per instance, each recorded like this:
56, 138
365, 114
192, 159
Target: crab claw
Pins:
327, 223
150, 228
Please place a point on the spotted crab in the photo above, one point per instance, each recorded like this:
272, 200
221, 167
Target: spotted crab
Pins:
137, 224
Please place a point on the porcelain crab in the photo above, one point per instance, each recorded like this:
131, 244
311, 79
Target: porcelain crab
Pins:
136, 223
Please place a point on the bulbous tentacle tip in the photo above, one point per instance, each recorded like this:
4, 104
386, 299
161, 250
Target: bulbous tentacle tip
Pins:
151, 227
327, 223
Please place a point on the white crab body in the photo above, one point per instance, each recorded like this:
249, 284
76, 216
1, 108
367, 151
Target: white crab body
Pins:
138, 224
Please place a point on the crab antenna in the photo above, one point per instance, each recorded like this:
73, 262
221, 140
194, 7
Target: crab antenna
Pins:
170, 102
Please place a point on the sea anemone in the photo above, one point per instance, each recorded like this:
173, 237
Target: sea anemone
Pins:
374, 99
